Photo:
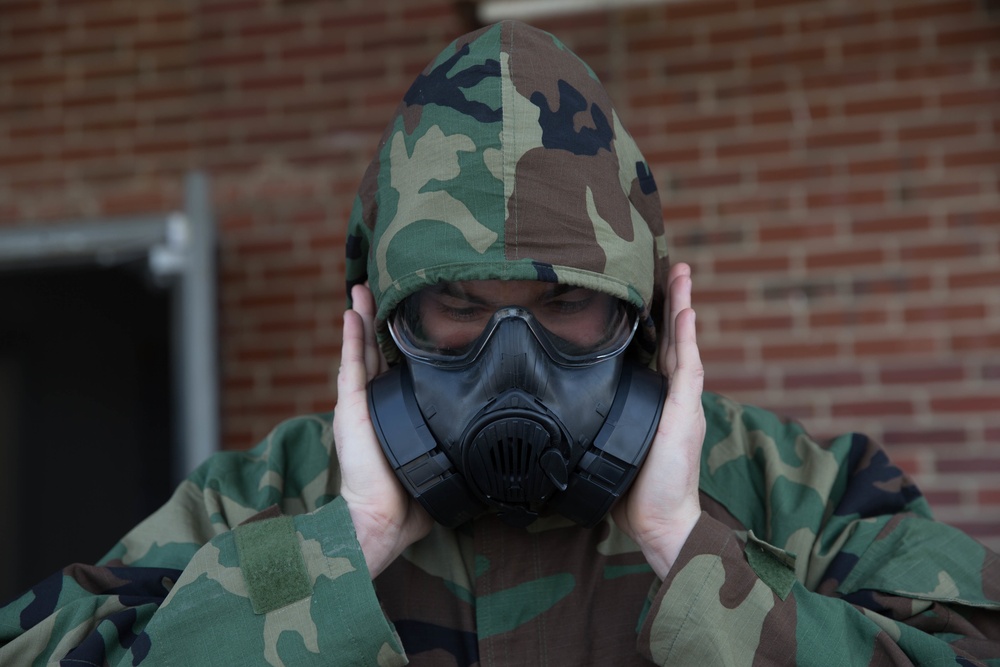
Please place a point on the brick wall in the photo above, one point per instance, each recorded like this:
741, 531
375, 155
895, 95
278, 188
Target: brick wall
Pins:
829, 168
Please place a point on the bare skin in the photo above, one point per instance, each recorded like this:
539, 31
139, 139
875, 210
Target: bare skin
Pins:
660, 509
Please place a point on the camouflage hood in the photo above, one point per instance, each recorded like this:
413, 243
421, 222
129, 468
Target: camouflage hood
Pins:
506, 160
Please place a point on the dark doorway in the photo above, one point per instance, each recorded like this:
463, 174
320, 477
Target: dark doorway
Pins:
85, 414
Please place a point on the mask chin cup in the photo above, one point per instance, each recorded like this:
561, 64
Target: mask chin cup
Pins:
514, 462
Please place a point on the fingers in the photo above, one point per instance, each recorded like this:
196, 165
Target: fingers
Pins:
679, 299
689, 375
353, 375
364, 305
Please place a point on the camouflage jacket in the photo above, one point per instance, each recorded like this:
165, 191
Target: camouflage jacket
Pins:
254, 561
506, 160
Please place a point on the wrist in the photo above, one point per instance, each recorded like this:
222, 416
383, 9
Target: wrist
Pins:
377, 540
662, 547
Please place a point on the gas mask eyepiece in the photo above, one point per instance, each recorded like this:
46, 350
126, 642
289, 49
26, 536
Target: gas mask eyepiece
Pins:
515, 410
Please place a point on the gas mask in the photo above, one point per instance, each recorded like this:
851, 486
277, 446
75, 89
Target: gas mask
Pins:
517, 420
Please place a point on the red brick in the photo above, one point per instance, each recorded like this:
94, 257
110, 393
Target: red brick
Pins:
82, 153
798, 57
844, 258
953, 71
708, 239
847, 199
799, 351
921, 375
699, 10
301, 379
984, 34
907, 163
884, 105
134, 202
89, 100
986, 157
933, 191
799, 172
753, 88
227, 59
355, 73
986, 340
757, 204
823, 379
970, 97
973, 279
725, 179
700, 123
940, 498
892, 224
945, 313
264, 246
924, 436
971, 220
673, 211
302, 271
350, 20
732, 384
741, 323
661, 42
780, 116
265, 301
900, 44
36, 131
270, 27
272, 82
277, 135
838, 79
721, 354
229, 6
799, 231
892, 285
968, 465
894, 346
162, 146
939, 251
935, 9
322, 51
841, 138
707, 65
662, 98
729, 35
830, 21
720, 295
872, 408
852, 317
752, 264
734, 149
938, 130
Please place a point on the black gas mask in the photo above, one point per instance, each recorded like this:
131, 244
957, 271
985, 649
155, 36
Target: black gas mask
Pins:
518, 419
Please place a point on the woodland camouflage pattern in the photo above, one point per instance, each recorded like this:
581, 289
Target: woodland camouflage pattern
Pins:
507, 161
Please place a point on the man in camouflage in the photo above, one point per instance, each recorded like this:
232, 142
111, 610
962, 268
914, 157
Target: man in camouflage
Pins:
742, 542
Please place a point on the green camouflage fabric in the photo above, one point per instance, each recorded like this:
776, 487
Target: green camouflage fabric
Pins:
806, 553
506, 159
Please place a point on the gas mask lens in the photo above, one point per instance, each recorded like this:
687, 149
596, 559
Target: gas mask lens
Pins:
449, 323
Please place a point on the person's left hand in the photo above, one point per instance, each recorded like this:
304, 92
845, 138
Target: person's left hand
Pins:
662, 507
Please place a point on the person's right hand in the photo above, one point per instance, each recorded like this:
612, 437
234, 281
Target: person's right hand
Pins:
386, 518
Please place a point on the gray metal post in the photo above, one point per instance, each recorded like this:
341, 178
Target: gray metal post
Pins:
196, 332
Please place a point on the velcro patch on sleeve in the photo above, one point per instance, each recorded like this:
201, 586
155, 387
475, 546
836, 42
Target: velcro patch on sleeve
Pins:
775, 568
272, 563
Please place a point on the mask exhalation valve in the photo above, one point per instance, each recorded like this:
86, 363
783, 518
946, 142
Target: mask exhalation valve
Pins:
509, 458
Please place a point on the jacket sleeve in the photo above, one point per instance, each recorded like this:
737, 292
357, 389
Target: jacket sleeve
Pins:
254, 560
840, 562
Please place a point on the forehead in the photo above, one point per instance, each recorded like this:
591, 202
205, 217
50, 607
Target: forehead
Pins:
505, 292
